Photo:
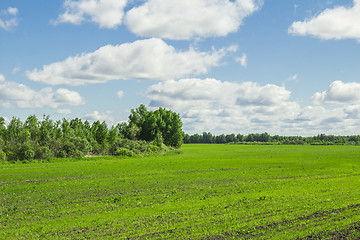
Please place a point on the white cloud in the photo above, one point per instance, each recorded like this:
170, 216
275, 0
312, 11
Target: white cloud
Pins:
250, 93
186, 19
313, 120
65, 96
105, 13
247, 107
8, 18
337, 23
293, 78
100, 116
143, 59
120, 94
12, 11
15, 70
22, 96
242, 60
339, 93
216, 106
64, 111
353, 111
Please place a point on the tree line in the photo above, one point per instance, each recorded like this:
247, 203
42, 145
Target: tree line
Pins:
262, 138
145, 132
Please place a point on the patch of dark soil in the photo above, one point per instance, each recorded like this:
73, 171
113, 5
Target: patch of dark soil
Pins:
254, 232
351, 231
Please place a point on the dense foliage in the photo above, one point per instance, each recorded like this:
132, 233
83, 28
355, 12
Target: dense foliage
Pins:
146, 132
262, 138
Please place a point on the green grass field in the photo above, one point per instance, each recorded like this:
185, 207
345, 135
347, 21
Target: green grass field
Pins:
206, 192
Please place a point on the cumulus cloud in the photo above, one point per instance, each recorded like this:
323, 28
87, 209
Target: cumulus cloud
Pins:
242, 60
22, 96
337, 23
250, 93
143, 59
105, 13
64, 111
8, 19
213, 105
339, 93
317, 119
15, 70
100, 116
120, 94
293, 78
248, 107
186, 19
215, 92
352, 111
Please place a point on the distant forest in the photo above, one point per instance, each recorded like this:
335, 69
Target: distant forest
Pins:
145, 132
265, 138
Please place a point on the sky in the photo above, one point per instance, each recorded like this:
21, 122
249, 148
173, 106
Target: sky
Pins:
226, 66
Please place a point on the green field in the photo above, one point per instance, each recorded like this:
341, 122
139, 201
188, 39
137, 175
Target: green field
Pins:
206, 192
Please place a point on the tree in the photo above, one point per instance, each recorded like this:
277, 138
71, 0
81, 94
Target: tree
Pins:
46, 130
99, 131
13, 130
33, 126
230, 138
2, 127
146, 125
136, 120
221, 139
113, 135
207, 137
66, 128
151, 126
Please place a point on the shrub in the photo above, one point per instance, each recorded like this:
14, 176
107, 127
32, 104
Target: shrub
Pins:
78, 154
124, 152
43, 153
71, 145
10, 152
26, 152
62, 154
158, 140
2, 156
153, 148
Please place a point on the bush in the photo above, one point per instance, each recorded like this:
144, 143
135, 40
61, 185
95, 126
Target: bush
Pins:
153, 148
158, 140
10, 152
62, 154
26, 152
29, 155
124, 152
73, 145
78, 154
2, 156
43, 153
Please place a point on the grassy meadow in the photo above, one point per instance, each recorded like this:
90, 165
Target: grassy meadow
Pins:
205, 192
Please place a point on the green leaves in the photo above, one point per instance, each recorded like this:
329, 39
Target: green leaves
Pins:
145, 132
155, 125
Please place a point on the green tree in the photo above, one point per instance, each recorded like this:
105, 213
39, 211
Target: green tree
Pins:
46, 131
2, 128
13, 130
33, 126
66, 128
99, 131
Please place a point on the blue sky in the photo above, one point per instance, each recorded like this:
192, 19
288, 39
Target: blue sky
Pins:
241, 66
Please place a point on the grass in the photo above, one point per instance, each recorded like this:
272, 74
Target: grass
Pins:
206, 192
